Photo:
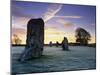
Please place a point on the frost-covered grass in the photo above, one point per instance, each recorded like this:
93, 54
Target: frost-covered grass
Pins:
55, 59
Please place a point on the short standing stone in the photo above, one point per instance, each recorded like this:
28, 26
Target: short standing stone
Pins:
50, 43
65, 44
35, 39
57, 43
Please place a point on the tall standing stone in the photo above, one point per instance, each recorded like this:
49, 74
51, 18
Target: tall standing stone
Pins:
35, 39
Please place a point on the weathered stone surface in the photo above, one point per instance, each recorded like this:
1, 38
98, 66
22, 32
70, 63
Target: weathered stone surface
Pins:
35, 39
65, 44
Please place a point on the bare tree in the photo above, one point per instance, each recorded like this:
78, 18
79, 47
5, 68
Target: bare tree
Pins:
16, 39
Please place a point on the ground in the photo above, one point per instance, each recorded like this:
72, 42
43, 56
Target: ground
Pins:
55, 59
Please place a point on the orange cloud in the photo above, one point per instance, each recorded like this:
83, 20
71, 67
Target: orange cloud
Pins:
65, 23
18, 31
53, 34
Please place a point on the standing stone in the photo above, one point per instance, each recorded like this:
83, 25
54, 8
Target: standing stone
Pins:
50, 43
65, 44
35, 39
57, 43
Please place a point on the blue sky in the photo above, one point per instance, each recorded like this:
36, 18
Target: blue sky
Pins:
60, 18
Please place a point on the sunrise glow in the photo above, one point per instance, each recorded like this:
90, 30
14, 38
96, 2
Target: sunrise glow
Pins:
60, 20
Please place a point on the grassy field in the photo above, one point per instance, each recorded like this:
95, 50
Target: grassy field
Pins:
55, 59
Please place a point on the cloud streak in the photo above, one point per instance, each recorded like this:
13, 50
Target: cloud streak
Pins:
52, 11
74, 17
65, 23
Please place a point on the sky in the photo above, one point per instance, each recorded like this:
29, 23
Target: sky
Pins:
61, 20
